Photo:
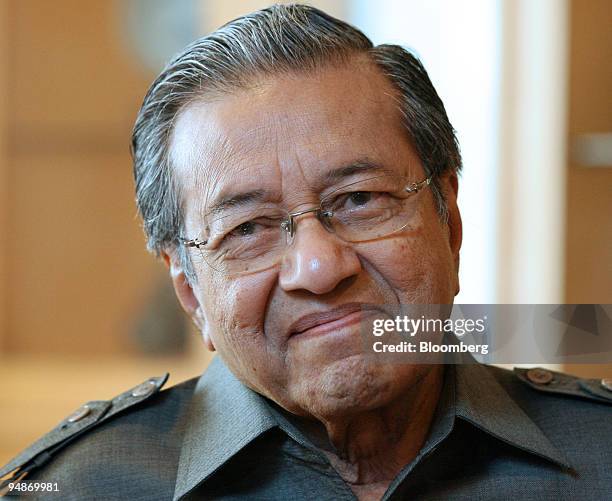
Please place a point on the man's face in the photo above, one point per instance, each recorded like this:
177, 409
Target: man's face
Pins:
283, 137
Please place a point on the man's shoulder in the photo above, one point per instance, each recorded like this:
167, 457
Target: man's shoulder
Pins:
559, 417
139, 430
565, 407
543, 386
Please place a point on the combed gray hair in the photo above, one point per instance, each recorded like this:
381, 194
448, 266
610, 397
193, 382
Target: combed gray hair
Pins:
279, 39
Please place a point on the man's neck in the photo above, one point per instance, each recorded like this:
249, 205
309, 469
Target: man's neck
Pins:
369, 450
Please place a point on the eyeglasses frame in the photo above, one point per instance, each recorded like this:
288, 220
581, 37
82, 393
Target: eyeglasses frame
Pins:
289, 225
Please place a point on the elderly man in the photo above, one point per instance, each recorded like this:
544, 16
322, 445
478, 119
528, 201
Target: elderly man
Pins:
298, 182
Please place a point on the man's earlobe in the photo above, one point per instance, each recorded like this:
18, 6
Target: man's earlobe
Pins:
205, 331
455, 226
187, 298
182, 288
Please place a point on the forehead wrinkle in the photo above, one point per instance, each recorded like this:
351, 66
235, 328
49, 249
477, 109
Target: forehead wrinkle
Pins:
199, 172
241, 156
241, 164
205, 156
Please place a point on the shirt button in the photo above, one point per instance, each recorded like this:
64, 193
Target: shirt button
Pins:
606, 383
79, 414
144, 389
539, 376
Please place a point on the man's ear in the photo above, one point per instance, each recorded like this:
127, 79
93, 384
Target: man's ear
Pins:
450, 188
186, 297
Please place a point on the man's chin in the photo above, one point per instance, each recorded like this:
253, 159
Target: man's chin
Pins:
349, 385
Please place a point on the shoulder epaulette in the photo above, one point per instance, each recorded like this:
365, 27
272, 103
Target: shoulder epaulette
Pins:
76, 424
547, 381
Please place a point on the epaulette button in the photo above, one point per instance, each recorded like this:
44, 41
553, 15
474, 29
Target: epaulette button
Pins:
79, 414
606, 383
144, 389
539, 376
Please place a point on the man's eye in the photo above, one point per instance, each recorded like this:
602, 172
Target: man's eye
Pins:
363, 201
260, 227
360, 197
244, 230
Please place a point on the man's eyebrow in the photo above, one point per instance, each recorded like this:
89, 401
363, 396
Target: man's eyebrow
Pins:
236, 200
357, 167
344, 171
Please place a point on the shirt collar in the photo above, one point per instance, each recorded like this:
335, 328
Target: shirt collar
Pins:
483, 402
225, 416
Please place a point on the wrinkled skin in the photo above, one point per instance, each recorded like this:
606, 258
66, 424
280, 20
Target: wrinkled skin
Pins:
282, 135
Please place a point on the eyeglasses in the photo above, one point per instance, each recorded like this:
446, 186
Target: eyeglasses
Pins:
247, 241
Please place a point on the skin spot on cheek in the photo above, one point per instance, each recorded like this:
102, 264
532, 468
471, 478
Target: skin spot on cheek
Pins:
410, 268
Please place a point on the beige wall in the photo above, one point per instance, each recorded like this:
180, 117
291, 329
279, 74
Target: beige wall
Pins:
77, 268
3, 175
589, 190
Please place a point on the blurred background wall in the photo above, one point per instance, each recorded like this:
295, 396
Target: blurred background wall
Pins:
85, 312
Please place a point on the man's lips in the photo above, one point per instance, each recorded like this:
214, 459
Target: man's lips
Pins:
324, 321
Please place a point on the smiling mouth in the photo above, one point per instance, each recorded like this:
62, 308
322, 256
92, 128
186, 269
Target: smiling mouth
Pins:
326, 322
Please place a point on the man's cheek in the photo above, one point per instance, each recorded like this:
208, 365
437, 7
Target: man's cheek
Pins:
400, 261
413, 270
239, 306
236, 325
249, 297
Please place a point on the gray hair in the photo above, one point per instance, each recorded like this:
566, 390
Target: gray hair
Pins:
272, 41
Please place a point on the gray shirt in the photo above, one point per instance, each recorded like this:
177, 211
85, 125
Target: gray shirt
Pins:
495, 435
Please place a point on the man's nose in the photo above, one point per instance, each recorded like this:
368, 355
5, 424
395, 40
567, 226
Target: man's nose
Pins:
317, 260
